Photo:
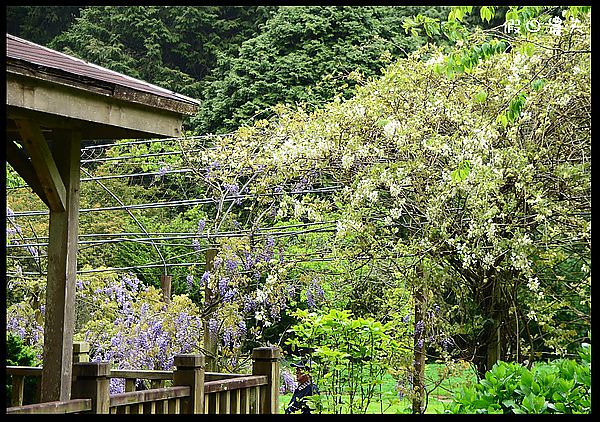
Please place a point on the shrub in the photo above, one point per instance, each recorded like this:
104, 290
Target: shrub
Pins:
560, 386
19, 354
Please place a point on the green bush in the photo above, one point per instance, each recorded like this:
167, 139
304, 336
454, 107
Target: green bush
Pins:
560, 386
19, 354
353, 359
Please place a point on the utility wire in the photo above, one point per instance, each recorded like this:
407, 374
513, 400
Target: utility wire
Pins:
130, 214
185, 202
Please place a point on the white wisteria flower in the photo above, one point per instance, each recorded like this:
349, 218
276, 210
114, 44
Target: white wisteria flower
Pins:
391, 128
533, 284
347, 161
374, 196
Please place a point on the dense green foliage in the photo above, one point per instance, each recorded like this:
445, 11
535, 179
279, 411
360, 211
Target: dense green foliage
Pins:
39, 24
19, 354
304, 55
560, 386
351, 358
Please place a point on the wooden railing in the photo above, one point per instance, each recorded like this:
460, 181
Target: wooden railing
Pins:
54, 407
191, 390
159, 400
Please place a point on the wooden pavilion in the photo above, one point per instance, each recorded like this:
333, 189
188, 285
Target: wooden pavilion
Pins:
54, 101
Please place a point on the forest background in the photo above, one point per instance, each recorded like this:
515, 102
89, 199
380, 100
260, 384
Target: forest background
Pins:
269, 244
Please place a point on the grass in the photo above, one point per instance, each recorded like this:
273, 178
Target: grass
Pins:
437, 397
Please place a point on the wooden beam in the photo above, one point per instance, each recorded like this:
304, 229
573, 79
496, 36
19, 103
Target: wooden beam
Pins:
62, 270
43, 164
64, 101
19, 161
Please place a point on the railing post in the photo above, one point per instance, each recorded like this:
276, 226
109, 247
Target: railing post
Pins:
266, 362
81, 351
189, 372
92, 381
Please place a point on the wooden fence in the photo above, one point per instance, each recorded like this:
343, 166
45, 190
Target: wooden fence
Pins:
190, 390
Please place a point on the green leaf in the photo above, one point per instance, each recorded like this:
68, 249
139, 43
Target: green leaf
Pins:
538, 84
528, 49
481, 96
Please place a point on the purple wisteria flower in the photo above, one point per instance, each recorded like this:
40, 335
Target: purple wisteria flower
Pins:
162, 171
289, 384
229, 295
269, 250
201, 225
248, 260
446, 343
234, 190
319, 292
213, 327
33, 251
419, 326
196, 245
189, 279
213, 166
204, 279
231, 265
222, 285
291, 290
249, 305
241, 329
310, 300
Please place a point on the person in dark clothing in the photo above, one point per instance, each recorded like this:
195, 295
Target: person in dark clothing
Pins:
306, 387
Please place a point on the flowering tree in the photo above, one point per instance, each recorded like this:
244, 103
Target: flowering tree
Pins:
472, 178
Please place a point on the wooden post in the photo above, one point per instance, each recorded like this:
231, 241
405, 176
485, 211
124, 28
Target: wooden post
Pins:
92, 380
210, 343
81, 351
266, 362
62, 267
190, 372
165, 284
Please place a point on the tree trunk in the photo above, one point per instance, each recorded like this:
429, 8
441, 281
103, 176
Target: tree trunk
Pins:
210, 343
418, 404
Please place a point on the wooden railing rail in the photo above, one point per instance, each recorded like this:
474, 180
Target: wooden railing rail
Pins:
235, 383
157, 378
234, 395
160, 400
18, 374
53, 407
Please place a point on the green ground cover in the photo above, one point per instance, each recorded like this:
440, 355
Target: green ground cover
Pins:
441, 394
